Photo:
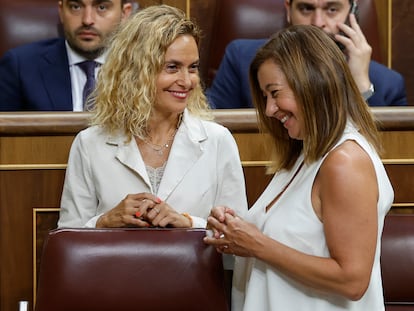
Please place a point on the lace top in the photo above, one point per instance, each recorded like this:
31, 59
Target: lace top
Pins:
155, 176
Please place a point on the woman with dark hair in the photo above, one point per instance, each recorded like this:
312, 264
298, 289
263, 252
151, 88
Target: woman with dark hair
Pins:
312, 239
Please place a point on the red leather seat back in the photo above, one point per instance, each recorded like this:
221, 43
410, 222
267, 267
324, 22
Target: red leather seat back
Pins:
397, 262
126, 269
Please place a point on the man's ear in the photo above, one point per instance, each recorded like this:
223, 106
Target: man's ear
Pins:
60, 7
126, 10
287, 7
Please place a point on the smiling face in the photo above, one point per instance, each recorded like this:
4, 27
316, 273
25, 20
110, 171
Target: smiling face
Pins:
88, 23
179, 75
280, 99
325, 14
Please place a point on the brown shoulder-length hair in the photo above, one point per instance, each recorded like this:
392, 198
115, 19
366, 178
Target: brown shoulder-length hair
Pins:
325, 91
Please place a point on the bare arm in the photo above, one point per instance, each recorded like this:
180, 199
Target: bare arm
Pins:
345, 192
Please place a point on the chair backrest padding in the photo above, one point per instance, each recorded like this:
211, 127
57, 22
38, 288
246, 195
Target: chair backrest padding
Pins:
126, 269
397, 260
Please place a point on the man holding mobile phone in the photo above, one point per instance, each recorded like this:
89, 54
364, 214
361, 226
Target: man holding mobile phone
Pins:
379, 85
352, 10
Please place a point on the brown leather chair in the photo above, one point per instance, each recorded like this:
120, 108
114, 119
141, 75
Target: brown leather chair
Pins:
259, 19
25, 21
397, 262
172, 269
126, 269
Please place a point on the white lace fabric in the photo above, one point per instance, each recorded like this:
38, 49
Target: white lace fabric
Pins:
155, 176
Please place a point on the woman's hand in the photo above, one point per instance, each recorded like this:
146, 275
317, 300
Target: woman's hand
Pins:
143, 210
231, 234
219, 213
130, 212
163, 215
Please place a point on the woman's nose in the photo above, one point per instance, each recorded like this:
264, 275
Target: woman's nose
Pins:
184, 79
271, 107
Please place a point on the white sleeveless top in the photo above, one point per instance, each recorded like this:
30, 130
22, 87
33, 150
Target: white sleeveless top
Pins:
292, 221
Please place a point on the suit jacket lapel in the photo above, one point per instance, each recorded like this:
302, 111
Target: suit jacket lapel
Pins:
128, 154
185, 152
56, 76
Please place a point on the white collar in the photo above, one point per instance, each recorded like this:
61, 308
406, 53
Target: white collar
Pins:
75, 58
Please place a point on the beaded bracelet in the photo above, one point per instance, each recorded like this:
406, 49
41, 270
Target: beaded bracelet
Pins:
186, 215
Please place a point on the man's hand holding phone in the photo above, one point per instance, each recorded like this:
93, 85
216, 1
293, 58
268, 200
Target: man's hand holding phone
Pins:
357, 50
352, 10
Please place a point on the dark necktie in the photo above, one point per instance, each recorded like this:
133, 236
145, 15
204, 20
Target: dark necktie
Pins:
88, 68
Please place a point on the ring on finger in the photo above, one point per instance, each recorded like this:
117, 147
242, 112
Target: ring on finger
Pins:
157, 210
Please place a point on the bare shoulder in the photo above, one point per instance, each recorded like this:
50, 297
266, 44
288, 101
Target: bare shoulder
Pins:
346, 183
347, 158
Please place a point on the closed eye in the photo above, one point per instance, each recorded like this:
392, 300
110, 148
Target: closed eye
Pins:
274, 93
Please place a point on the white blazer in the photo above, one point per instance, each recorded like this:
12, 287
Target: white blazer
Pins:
203, 170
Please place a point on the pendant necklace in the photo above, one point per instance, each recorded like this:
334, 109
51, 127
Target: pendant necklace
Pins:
159, 149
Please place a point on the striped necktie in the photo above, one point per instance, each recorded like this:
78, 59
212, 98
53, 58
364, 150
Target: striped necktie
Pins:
88, 68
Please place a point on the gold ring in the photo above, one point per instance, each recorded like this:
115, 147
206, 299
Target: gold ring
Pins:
157, 210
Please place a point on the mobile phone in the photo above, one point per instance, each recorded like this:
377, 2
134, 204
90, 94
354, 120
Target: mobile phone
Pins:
352, 10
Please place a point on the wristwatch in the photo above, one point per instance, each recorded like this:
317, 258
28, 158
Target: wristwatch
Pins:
368, 93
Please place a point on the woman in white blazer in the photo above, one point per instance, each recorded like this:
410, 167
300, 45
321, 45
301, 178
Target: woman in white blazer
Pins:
151, 157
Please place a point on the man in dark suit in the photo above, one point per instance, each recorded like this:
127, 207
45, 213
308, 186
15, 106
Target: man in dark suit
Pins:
379, 85
48, 75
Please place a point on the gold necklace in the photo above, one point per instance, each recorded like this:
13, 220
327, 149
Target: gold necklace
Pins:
159, 149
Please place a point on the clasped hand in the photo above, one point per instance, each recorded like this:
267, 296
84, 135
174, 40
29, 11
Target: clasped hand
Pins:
142, 210
230, 233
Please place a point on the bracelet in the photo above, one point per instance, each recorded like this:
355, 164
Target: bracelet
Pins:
186, 215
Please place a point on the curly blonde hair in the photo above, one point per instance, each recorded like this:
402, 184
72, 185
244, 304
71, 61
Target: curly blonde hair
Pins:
126, 88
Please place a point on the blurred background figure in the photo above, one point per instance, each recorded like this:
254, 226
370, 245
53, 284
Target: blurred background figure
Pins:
58, 74
380, 85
